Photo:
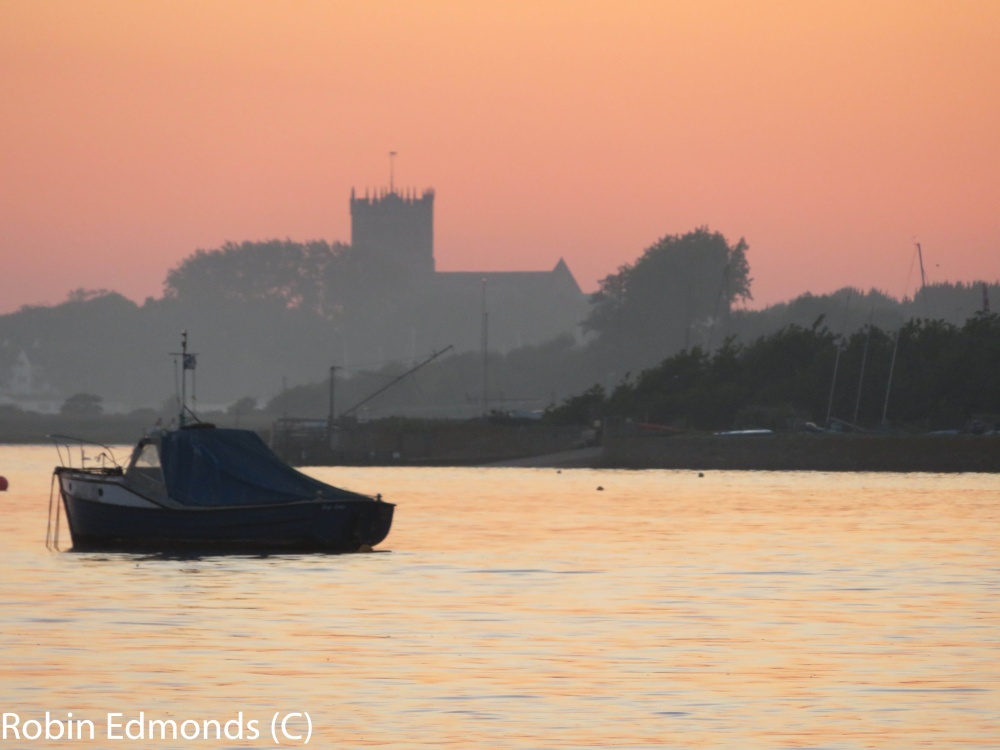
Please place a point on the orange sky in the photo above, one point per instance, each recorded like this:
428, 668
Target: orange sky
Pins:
828, 134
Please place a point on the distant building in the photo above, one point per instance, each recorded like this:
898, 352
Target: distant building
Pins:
434, 308
24, 380
397, 227
26, 388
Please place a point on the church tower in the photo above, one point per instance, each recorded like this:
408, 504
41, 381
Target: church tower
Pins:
398, 227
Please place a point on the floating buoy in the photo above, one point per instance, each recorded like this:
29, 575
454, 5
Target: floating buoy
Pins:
600, 489
3, 484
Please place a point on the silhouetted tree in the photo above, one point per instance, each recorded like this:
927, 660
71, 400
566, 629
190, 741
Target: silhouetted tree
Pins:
676, 295
582, 409
944, 376
297, 275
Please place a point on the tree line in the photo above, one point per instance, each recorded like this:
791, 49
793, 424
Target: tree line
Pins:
666, 338
926, 375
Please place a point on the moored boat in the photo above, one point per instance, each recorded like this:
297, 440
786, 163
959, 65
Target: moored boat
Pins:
211, 488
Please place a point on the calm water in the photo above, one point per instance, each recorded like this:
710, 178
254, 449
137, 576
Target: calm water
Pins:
526, 608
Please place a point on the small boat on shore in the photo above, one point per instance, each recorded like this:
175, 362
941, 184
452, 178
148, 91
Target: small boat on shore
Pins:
210, 488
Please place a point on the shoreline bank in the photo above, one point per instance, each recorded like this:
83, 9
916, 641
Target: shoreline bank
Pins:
807, 452
546, 446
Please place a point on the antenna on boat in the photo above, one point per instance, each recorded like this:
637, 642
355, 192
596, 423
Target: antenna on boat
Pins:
189, 361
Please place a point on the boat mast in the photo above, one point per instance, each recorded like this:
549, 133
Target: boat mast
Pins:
331, 416
864, 361
486, 352
184, 348
833, 384
923, 277
836, 361
188, 362
925, 302
892, 369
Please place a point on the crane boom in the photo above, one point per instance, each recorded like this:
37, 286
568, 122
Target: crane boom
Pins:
396, 380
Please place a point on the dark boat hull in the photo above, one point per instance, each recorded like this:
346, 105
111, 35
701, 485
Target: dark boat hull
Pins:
328, 526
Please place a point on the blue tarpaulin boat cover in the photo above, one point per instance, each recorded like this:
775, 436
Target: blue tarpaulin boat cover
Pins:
221, 467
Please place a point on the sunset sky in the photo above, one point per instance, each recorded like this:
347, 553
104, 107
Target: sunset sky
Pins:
830, 135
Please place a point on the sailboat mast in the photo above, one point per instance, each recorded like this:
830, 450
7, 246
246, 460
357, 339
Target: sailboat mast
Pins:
833, 384
892, 369
486, 353
923, 277
864, 361
836, 362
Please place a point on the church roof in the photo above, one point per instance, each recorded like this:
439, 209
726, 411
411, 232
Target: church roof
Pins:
560, 277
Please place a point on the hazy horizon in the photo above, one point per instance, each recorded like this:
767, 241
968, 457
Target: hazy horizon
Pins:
830, 136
